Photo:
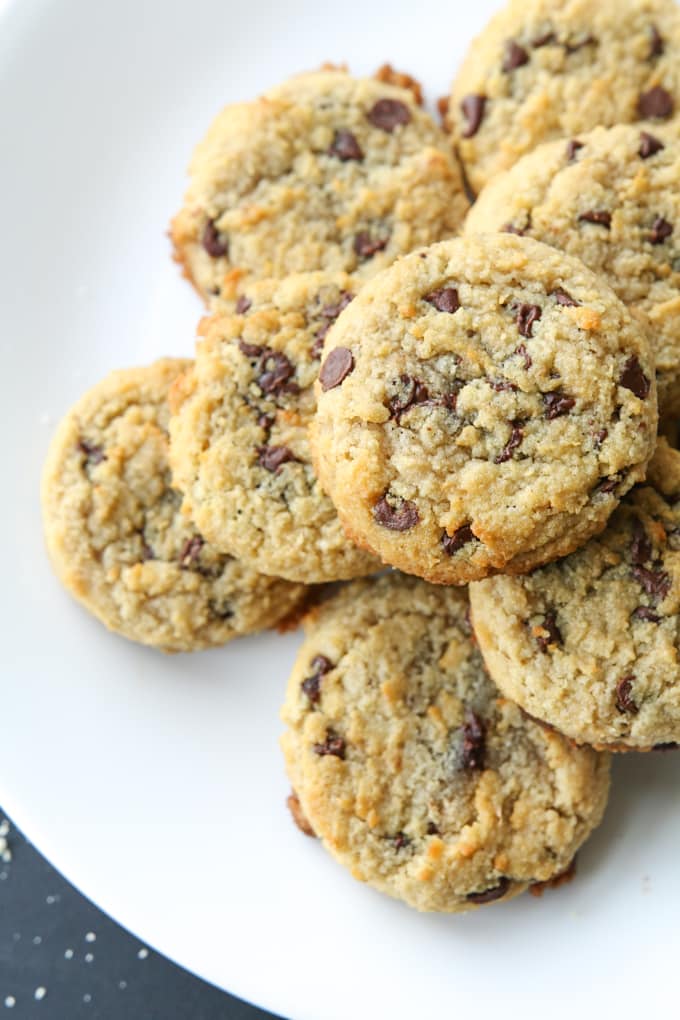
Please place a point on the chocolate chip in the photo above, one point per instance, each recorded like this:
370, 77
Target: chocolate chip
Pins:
332, 311
543, 40
489, 895
243, 305
319, 339
275, 373
510, 228
411, 391
565, 299
645, 613
624, 700
661, 230
557, 404
656, 43
400, 840
598, 216
655, 582
657, 103
524, 354
461, 536
527, 315
190, 552
401, 517
345, 147
388, 114
649, 145
333, 744
311, 686
633, 378
502, 386
272, 457
516, 437
640, 547
366, 246
250, 350
94, 454
265, 421
147, 551
336, 368
298, 815
572, 148
552, 635
473, 110
607, 484
515, 56
213, 242
473, 746
444, 300
600, 437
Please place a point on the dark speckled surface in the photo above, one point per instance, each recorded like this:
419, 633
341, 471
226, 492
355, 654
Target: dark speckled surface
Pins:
62, 959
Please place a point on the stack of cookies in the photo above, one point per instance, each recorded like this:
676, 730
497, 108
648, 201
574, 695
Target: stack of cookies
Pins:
468, 396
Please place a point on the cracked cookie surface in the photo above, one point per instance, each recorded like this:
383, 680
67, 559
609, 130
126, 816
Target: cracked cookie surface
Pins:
412, 770
544, 69
325, 171
239, 447
482, 407
590, 644
116, 535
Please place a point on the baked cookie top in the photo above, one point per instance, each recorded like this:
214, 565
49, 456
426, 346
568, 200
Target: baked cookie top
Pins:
409, 766
611, 197
590, 643
482, 407
545, 69
116, 535
326, 171
239, 447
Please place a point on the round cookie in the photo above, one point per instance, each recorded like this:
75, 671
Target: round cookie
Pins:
412, 770
482, 407
324, 172
545, 69
590, 644
612, 198
239, 448
116, 535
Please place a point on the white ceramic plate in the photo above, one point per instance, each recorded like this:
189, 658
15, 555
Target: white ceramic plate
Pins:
155, 783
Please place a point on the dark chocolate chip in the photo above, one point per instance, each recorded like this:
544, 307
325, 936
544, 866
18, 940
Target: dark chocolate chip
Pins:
401, 517
333, 744
311, 686
388, 114
474, 743
243, 305
527, 315
608, 484
557, 404
336, 368
572, 148
600, 437
649, 145
213, 242
624, 699
553, 635
345, 147
366, 246
645, 613
298, 815
547, 39
516, 437
444, 300
655, 582
400, 840
319, 338
272, 457
94, 454
640, 547
432, 829
250, 350
515, 56
411, 391
600, 217
190, 552
147, 551
510, 228
502, 385
656, 43
265, 421
657, 103
661, 230
332, 311
461, 536
275, 373
489, 895
565, 299
473, 111
633, 378
524, 354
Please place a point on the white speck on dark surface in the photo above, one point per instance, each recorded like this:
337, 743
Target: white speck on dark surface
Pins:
40, 993
89, 957
142, 954
87, 997
37, 939
90, 937
49, 900
68, 955
122, 985
10, 1002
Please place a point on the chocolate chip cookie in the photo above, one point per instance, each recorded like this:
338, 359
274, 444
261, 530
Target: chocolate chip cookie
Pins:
324, 172
409, 766
545, 69
239, 447
482, 406
116, 535
590, 644
611, 197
